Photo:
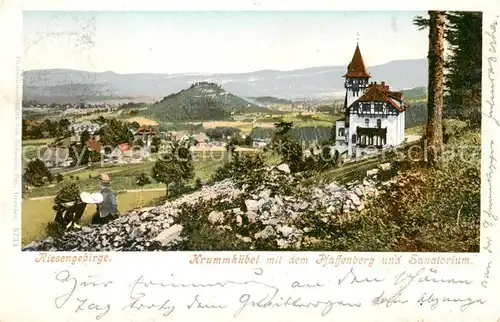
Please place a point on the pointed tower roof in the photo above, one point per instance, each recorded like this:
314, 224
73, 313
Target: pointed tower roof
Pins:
357, 66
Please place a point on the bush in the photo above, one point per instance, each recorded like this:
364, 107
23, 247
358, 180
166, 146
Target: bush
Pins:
243, 166
68, 193
54, 229
197, 183
199, 233
142, 180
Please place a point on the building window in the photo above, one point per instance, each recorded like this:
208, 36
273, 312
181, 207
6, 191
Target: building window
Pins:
379, 123
367, 122
341, 132
353, 140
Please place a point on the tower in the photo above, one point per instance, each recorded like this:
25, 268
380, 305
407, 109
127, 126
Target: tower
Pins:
356, 78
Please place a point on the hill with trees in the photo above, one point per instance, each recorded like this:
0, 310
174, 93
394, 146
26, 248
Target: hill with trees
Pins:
201, 101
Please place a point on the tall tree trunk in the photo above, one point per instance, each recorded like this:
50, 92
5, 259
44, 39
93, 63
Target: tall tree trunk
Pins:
434, 131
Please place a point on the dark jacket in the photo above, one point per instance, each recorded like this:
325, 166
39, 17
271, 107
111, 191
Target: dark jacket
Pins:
109, 205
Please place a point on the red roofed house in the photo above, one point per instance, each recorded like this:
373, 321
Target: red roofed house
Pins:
122, 153
94, 145
374, 115
146, 134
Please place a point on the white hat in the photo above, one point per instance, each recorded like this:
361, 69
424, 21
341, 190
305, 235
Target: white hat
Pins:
91, 198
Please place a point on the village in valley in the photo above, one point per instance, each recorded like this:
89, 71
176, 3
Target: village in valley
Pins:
207, 168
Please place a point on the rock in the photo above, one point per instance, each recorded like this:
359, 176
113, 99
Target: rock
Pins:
236, 211
359, 191
285, 230
252, 205
32, 246
354, 198
146, 215
239, 220
265, 194
216, 217
385, 166
225, 227
113, 230
87, 230
246, 239
169, 235
252, 216
372, 172
284, 168
265, 233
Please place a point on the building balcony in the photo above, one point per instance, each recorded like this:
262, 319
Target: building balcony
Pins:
371, 131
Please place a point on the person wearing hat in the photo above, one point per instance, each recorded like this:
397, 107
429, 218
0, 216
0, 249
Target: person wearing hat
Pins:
107, 209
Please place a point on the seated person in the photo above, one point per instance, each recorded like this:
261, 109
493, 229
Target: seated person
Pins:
107, 210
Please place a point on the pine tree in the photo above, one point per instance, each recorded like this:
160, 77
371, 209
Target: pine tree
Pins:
463, 65
434, 130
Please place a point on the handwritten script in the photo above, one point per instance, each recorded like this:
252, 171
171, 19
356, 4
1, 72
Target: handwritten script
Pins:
490, 219
97, 296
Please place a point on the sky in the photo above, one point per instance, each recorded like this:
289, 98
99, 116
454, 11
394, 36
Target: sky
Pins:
216, 42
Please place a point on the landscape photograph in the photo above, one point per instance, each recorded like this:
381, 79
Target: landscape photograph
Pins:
251, 131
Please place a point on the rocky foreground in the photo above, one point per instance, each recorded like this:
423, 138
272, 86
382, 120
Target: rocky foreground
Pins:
265, 211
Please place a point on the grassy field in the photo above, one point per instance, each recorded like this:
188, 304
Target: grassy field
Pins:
37, 213
299, 119
123, 176
30, 149
37, 142
141, 121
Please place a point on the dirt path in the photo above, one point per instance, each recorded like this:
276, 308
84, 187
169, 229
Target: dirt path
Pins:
412, 138
127, 191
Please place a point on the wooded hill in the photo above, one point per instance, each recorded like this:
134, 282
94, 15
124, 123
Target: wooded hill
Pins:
201, 101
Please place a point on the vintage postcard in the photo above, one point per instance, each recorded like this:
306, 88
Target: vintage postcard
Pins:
255, 162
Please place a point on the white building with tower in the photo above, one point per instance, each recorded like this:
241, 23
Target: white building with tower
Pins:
374, 115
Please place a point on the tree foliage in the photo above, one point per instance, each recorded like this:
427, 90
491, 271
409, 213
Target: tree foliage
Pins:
142, 180
68, 193
36, 173
115, 133
463, 64
175, 167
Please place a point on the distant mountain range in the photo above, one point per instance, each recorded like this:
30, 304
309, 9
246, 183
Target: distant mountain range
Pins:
313, 83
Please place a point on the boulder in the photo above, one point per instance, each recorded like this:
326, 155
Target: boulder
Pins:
265, 233
169, 235
239, 220
252, 216
372, 172
284, 168
385, 166
252, 205
354, 199
285, 230
216, 217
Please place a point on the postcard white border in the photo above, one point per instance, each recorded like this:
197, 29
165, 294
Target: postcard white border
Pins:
31, 285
